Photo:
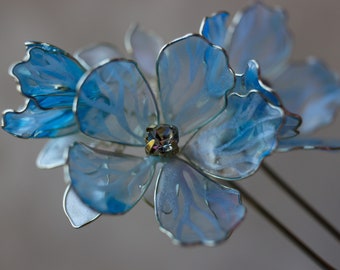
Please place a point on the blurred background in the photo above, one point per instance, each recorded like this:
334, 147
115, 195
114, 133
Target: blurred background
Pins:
34, 232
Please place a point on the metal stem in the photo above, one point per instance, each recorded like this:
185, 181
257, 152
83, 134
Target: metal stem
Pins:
303, 247
298, 199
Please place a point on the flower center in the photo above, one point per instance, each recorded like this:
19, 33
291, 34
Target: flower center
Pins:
161, 140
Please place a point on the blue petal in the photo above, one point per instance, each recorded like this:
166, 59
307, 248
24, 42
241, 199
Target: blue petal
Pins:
34, 122
108, 182
259, 33
290, 126
76, 211
251, 80
44, 46
311, 90
233, 145
192, 209
48, 75
214, 28
54, 152
193, 79
116, 104
307, 143
93, 55
144, 46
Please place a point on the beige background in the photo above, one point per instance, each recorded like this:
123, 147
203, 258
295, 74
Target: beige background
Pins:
35, 234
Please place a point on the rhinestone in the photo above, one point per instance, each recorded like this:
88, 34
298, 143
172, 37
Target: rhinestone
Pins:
161, 140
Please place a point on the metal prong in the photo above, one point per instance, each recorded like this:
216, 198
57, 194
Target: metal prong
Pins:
149, 146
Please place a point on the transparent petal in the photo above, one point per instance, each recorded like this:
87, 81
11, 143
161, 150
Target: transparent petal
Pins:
76, 211
233, 145
251, 80
149, 195
54, 152
108, 182
34, 122
311, 90
117, 97
193, 79
49, 75
192, 209
93, 55
308, 143
214, 28
259, 33
290, 127
144, 46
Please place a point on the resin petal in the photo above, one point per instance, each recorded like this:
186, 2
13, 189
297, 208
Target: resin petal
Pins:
34, 122
108, 182
259, 33
233, 145
76, 211
250, 80
193, 79
54, 152
144, 47
93, 55
214, 28
310, 90
307, 143
48, 75
192, 209
117, 96
290, 126
149, 195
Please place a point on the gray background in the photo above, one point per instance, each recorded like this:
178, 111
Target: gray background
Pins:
35, 234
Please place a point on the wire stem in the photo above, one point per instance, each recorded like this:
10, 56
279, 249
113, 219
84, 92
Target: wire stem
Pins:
298, 199
303, 247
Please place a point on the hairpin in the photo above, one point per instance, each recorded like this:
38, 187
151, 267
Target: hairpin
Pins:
174, 124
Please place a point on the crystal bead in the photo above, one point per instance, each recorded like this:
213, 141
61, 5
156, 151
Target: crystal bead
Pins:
161, 140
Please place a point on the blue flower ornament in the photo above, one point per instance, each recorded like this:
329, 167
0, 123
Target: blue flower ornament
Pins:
202, 122
48, 76
308, 89
187, 133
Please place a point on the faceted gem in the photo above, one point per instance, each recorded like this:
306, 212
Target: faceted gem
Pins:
161, 140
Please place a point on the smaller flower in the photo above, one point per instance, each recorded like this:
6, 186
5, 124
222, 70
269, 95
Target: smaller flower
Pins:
48, 76
308, 88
